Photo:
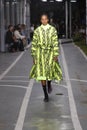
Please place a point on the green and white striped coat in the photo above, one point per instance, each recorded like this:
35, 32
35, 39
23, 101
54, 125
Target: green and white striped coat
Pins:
44, 49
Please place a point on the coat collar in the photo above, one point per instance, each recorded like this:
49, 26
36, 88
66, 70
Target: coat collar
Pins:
45, 27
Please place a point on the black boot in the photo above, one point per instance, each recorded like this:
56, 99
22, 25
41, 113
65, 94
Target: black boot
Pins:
49, 87
46, 97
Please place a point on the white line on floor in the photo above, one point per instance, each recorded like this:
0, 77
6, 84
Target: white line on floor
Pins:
21, 81
84, 55
78, 80
16, 76
73, 109
11, 66
14, 86
10, 80
22, 113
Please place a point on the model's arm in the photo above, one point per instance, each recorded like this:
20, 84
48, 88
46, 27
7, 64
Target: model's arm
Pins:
55, 44
34, 43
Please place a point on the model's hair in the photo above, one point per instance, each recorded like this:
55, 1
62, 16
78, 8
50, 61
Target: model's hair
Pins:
44, 14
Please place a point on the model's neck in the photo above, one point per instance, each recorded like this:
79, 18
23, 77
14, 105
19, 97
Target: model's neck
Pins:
45, 24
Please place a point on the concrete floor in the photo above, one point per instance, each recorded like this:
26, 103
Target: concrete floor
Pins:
21, 99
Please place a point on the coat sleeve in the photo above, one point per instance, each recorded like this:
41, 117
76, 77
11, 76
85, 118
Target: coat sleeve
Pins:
55, 42
34, 44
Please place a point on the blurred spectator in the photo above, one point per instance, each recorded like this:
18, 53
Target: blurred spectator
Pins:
23, 30
31, 31
10, 39
24, 33
19, 38
19, 26
52, 23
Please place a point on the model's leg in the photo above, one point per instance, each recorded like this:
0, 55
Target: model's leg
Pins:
49, 86
46, 98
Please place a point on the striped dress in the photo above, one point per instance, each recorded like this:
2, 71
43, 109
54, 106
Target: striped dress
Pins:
44, 49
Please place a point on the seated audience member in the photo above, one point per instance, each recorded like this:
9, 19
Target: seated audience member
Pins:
19, 38
9, 39
23, 29
24, 33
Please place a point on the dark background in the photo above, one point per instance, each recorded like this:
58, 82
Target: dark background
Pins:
56, 10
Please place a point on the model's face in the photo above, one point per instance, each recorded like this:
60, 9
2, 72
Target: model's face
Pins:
44, 20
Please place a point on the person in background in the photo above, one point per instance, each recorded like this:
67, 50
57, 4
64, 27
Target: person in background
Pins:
24, 33
19, 26
31, 31
45, 53
23, 30
19, 37
52, 23
10, 39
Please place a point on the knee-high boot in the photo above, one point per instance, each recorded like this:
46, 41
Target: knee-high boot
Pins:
49, 86
46, 97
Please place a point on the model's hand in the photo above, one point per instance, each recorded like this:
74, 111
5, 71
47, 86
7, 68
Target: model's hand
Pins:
56, 59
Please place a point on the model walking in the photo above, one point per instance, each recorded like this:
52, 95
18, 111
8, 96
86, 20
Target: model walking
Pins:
45, 53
